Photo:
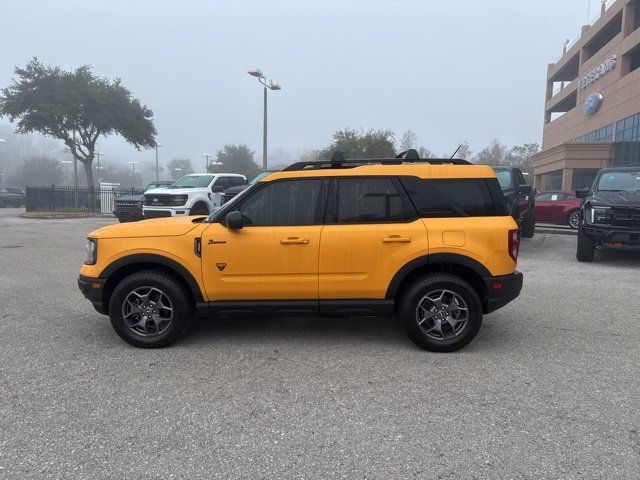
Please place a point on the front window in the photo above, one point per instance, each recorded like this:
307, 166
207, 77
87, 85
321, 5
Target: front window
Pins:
193, 181
619, 182
291, 202
504, 178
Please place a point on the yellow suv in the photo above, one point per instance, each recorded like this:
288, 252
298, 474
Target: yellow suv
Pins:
429, 240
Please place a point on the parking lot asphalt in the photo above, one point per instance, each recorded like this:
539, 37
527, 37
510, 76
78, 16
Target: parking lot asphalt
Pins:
550, 388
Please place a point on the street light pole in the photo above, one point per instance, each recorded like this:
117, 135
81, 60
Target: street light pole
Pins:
206, 156
157, 171
98, 155
133, 173
272, 86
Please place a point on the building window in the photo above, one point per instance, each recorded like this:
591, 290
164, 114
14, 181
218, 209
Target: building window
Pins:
552, 181
583, 178
602, 135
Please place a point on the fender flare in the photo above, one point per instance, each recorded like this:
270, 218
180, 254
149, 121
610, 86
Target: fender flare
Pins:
423, 261
180, 270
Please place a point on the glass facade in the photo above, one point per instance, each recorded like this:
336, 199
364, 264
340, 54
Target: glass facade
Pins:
604, 135
626, 150
583, 178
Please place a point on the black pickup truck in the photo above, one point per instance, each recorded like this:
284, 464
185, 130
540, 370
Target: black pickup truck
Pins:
520, 199
128, 208
610, 212
12, 197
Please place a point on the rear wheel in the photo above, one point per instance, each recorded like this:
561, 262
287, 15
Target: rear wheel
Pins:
529, 225
150, 309
441, 312
573, 219
586, 247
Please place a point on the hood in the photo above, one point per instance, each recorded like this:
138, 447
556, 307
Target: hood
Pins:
235, 190
170, 191
154, 227
130, 198
618, 199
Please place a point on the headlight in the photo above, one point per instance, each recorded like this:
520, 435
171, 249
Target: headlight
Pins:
179, 199
91, 249
597, 214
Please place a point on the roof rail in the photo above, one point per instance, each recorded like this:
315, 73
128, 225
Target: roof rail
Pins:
339, 161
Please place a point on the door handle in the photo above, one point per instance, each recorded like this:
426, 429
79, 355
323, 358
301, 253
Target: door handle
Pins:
294, 241
396, 239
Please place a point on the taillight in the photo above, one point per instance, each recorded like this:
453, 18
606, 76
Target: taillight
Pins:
514, 244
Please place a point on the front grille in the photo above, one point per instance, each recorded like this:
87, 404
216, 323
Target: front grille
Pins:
128, 204
625, 217
156, 213
158, 200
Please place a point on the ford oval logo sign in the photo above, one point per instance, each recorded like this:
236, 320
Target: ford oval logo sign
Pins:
592, 103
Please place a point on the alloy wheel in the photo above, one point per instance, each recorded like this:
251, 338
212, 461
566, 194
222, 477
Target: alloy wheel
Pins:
147, 311
574, 219
442, 314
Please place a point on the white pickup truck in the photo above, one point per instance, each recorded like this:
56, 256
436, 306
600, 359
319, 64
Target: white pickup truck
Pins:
195, 194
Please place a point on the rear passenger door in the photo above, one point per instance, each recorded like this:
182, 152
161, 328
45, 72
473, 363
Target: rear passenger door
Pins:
371, 230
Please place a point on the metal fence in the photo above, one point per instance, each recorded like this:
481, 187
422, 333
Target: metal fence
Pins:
72, 199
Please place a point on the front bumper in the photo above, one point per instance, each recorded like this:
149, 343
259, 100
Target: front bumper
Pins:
613, 236
501, 290
128, 213
92, 289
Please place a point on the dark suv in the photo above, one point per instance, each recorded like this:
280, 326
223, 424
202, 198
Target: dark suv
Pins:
520, 198
610, 212
128, 208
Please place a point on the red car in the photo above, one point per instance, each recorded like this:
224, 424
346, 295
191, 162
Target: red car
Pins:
558, 207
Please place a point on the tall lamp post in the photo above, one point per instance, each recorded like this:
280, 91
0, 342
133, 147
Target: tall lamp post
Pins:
133, 173
2, 140
158, 145
99, 155
206, 156
268, 84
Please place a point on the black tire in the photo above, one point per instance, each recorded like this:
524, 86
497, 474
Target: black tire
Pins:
199, 209
586, 247
178, 296
573, 219
529, 225
416, 292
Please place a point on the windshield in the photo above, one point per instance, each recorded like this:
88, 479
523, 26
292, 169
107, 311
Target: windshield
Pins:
619, 182
193, 181
153, 185
504, 178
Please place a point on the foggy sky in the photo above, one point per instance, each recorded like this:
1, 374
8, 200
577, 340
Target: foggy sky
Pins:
449, 70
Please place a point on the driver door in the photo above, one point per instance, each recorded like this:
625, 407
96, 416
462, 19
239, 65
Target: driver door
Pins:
275, 255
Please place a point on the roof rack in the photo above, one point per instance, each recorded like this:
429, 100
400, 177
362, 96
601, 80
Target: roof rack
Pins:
338, 160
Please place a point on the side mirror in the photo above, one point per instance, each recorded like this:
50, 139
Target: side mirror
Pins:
525, 189
582, 192
217, 189
234, 219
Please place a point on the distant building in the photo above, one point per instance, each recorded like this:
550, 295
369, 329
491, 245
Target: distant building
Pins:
592, 108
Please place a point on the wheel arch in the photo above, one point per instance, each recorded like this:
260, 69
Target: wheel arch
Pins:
462, 266
125, 266
200, 202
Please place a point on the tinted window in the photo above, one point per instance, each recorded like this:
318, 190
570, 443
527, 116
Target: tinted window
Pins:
452, 198
370, 200
504, 177
544, 197
290, 202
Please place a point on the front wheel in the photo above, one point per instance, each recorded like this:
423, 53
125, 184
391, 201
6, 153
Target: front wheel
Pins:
150, 309
586, 247
441, 312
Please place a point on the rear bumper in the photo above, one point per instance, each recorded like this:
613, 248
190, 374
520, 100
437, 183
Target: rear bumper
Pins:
501, 290
92, 289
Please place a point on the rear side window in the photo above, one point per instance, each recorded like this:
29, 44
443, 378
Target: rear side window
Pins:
369, 200
465, 197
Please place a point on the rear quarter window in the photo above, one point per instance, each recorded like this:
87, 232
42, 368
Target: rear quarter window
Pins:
464, 197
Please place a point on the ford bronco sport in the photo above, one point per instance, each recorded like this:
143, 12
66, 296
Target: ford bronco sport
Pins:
429, 240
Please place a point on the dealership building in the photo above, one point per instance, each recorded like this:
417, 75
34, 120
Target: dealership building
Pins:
592, 107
